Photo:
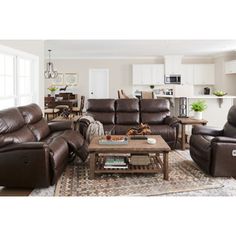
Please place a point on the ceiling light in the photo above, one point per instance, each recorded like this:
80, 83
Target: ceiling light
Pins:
50, 73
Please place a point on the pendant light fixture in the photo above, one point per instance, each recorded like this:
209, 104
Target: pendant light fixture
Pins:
50, 73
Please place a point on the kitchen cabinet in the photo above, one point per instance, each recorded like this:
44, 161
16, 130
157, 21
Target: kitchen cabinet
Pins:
173, 65
198, 74
187, 75
230, 67
148, 74
204, 74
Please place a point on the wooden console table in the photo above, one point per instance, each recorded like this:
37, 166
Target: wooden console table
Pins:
188, 121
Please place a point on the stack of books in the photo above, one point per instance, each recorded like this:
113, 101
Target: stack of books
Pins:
116, 162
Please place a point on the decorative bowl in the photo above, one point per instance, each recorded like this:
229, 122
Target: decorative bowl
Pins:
219, 93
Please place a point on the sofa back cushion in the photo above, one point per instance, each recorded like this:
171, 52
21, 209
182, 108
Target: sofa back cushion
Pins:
154, 111
33, 117
101, 105
230, 126
10, 120
12, 128
127, 112
102, 110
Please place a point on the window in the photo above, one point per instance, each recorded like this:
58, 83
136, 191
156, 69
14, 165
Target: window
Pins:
17, 80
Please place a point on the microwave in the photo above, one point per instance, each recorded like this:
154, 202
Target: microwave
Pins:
173, 79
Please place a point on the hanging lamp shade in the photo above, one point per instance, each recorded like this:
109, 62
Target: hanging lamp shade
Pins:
50, 73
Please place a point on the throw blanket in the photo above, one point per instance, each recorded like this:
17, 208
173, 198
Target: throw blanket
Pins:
89, 118
95, 129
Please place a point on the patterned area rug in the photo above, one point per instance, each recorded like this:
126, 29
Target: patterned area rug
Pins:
184, 177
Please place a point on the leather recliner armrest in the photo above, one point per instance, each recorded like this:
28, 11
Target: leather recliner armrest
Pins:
207, 130
223, 139
23, 146
60, 125
171, 121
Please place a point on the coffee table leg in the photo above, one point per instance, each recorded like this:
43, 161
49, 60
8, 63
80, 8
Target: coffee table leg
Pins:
92, 165
166, 165
183, 137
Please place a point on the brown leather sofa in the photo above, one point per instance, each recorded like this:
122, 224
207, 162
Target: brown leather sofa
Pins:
34, 153
127, 113
215, 150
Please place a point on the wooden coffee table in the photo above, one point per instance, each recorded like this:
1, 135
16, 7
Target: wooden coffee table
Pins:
159, 165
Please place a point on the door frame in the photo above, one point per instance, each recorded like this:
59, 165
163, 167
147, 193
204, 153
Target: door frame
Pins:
95, 69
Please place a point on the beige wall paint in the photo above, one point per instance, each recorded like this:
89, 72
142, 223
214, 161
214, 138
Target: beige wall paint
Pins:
35, 47
120, 72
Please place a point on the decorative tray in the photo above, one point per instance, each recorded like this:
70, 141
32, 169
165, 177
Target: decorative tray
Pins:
114, 141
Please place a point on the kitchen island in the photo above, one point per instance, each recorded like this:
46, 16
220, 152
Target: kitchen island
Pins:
217, 107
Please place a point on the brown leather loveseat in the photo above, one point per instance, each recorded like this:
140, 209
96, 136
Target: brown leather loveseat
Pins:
127, 113
214, 150
34, 153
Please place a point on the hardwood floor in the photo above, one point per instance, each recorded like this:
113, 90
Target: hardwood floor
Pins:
14, 192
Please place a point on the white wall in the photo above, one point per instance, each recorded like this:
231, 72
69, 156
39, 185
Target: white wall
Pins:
35, 47
224, 82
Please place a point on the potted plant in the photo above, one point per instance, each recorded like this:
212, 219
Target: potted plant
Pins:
52, 89
198, 107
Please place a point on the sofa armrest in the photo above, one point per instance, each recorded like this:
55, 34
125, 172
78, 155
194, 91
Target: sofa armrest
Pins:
60, 125
25, 165
222, 139
207, 130
23, 146
171, 121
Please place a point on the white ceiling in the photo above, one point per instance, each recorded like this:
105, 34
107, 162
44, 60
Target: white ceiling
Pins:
137, 48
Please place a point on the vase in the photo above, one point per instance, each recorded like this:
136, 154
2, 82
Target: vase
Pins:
53, 94
198, 115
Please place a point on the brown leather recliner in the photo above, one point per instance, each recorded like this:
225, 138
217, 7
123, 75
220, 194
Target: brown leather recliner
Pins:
34, 153
127, 113
215, 150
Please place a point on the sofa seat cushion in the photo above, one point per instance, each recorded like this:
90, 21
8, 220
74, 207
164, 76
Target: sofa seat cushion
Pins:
127, 118
40, 129
200, 150
59, 152
167, 133
123, 129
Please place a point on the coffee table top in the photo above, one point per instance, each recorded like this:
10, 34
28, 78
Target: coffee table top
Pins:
139, 146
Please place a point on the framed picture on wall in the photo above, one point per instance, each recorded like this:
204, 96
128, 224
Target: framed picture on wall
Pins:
59, 80
71, 79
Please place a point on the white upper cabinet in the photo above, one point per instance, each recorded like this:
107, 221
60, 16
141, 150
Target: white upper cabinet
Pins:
204, 74
173, 65
230, 67
148, 74
187, 75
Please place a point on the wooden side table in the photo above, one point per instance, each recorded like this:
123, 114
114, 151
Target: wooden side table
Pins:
188, 121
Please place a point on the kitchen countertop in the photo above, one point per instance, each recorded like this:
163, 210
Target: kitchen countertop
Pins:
197, 96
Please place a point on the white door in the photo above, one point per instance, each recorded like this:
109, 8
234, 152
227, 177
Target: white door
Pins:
98, 83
